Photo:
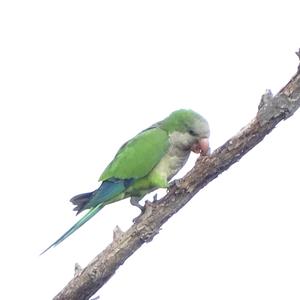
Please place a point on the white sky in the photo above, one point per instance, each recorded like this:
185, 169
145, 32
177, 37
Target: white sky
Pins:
79, 78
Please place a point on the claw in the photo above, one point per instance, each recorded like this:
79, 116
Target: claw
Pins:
173, 183
135, 202
137, 218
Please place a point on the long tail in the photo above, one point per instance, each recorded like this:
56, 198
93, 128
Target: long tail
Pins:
108, 192
77, 225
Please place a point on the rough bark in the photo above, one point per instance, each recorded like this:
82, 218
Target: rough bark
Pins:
271, 111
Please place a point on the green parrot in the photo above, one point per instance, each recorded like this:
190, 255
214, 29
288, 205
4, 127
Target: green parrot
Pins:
145, 163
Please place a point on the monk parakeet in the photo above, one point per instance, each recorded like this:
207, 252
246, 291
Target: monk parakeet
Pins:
145, 163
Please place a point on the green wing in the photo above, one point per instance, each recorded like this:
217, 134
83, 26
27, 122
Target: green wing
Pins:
138, 156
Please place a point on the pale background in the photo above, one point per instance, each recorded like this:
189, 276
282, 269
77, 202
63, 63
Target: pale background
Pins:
79, 78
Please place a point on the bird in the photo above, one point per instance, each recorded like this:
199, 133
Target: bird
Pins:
145, 163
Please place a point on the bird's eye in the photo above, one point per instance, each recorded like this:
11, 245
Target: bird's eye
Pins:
192, 132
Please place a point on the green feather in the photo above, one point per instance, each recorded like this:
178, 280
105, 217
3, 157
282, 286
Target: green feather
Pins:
143, 164
138, 156
181, 120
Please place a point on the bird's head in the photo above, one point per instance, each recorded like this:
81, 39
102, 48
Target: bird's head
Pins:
188, 130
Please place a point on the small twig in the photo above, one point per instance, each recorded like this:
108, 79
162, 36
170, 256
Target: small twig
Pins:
77, 269
117, 233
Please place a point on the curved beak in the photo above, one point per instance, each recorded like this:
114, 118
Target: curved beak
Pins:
201, 147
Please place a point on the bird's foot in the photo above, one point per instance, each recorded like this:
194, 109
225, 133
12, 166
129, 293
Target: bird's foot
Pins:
174, 183
135, 202
135, 220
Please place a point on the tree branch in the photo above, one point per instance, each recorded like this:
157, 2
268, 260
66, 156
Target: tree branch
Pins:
271, 111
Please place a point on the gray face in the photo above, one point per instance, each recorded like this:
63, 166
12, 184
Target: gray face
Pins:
199, 128
182, 140
196, 132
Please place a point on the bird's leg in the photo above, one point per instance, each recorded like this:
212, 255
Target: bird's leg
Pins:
135, 202
175, 182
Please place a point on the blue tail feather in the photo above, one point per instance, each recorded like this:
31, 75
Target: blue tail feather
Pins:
108, 190
94, 201
77, 225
